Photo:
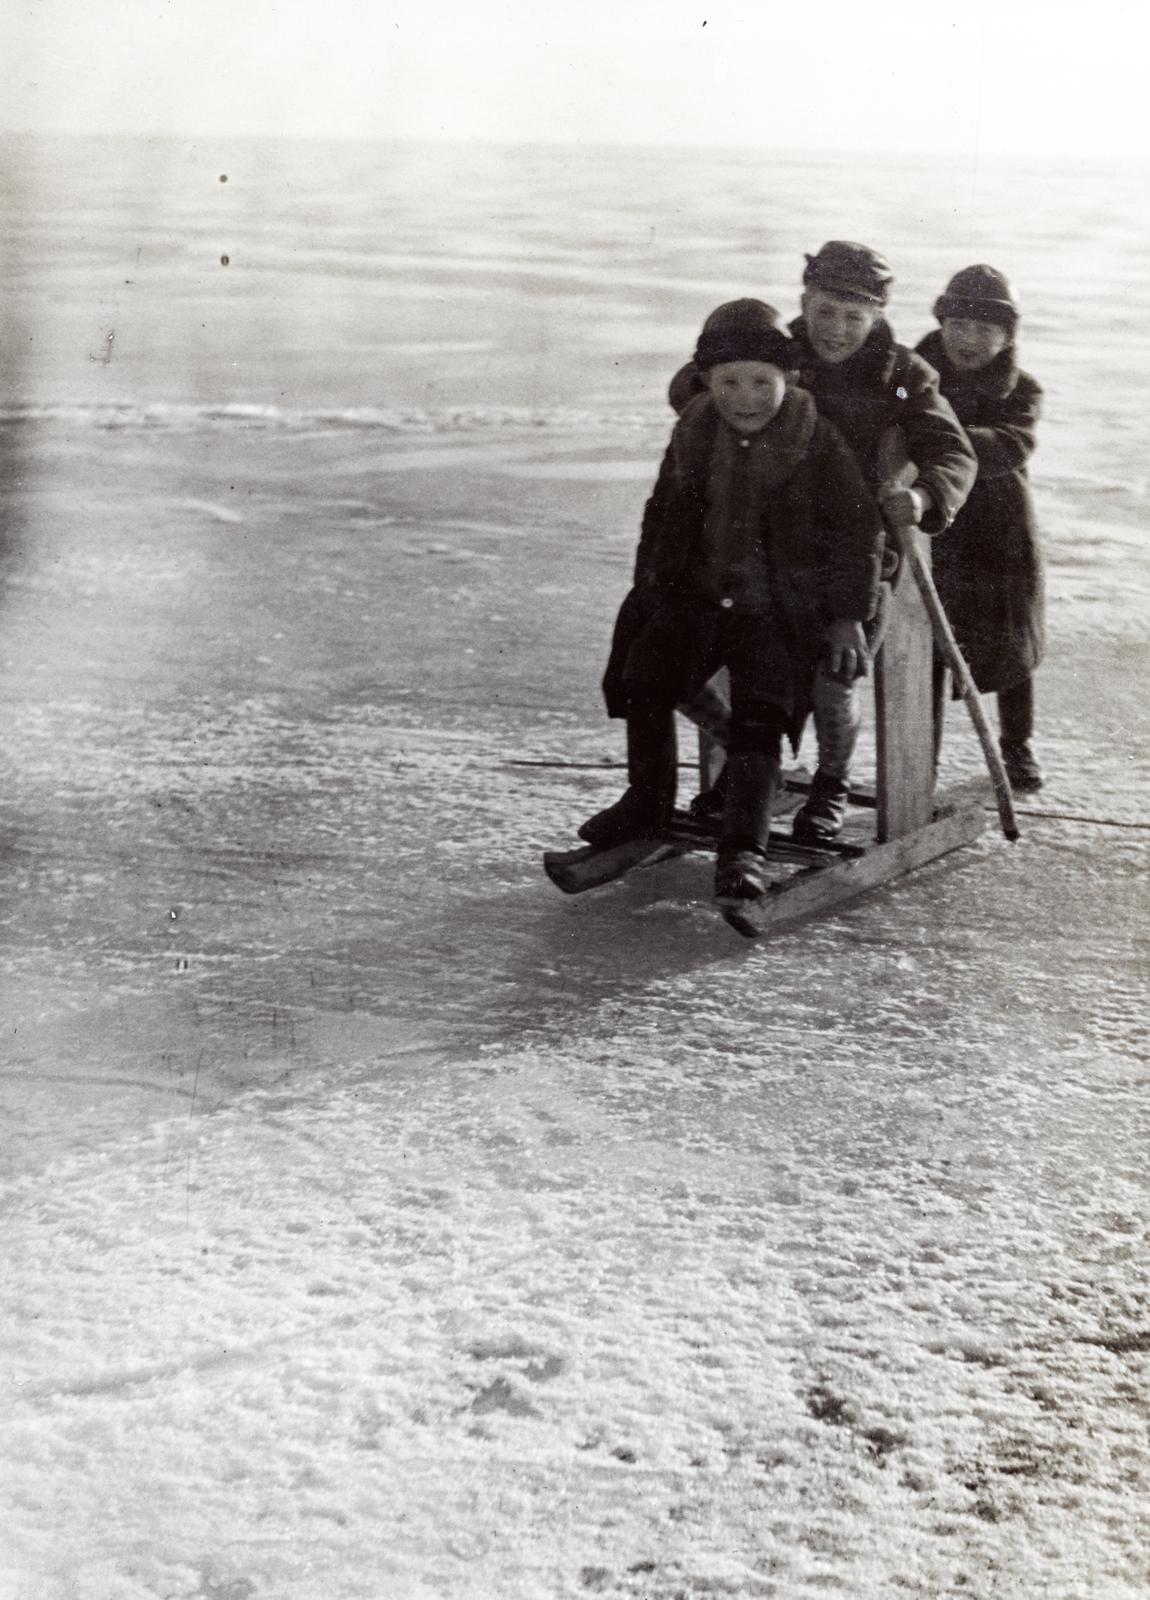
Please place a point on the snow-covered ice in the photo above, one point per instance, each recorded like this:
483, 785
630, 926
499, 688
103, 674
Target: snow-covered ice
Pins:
378, 1222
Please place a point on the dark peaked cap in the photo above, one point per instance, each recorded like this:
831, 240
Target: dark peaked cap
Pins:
854, 269
980, 293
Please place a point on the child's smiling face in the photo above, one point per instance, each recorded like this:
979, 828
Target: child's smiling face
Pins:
747, 394
970, 344
837, 325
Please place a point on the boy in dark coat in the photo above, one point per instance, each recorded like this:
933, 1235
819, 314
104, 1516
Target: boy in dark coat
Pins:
988, 570
864, 383
760, 551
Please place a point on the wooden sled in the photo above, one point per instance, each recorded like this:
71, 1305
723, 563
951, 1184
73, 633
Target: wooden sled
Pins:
912, 824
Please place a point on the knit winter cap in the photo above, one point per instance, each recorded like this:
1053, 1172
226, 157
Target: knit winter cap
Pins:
744, 330
981, 294
845, 268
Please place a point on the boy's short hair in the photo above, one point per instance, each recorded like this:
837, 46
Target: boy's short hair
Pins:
979, 294
850, 269
744, 330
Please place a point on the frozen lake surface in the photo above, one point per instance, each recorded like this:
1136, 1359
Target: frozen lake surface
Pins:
381, 1223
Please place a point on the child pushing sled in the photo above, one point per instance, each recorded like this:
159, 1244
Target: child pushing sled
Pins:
989, 568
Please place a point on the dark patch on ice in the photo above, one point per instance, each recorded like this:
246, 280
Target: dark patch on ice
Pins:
1132, 1342
510, 1349
983, 1358
423, 1199
544, 1371
825, 1406
1011, 1459
881, 1441
500, 1396
594, 1577
516, 1349
236, 1589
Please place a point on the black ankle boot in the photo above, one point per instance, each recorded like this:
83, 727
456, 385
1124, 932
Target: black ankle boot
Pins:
632, 817
821, 818
1021, 765
707, 807
740, 874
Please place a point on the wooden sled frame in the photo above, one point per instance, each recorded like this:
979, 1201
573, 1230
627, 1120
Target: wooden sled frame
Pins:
913, 823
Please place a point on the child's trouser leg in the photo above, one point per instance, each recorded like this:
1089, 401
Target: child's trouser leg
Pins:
1016, 726
1016, 712
652, 758
671, 656
652, 771
753, 771
838, 716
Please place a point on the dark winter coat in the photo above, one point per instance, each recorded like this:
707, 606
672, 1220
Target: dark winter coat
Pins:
883, 385
988, 569
821, 530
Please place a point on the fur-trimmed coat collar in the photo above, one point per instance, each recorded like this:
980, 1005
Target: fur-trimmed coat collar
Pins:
997, 380
774, 455
871, 365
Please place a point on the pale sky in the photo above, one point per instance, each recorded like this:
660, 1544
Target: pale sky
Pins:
976, 77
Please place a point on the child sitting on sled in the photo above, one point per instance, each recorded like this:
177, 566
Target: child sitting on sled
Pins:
760, 551
989, 567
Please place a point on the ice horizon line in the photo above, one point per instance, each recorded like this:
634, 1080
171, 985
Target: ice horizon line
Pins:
947, 154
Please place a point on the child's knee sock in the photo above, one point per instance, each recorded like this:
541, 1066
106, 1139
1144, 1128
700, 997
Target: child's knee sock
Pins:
838, 716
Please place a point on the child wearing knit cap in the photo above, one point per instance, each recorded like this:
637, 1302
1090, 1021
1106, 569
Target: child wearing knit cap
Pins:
988, 569
865, 384
759, 552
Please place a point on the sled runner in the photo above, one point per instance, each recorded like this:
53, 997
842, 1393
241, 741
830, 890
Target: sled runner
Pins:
575, 871
909, 823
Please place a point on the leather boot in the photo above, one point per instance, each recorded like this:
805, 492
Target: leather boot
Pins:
709, 804
752, 784
652, 771
821, 818
1022, 767
1016, 725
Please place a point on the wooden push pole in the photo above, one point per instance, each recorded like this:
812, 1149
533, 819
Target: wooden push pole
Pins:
952, 655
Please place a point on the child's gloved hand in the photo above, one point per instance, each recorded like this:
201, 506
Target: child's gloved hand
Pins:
846, 653
904, 508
